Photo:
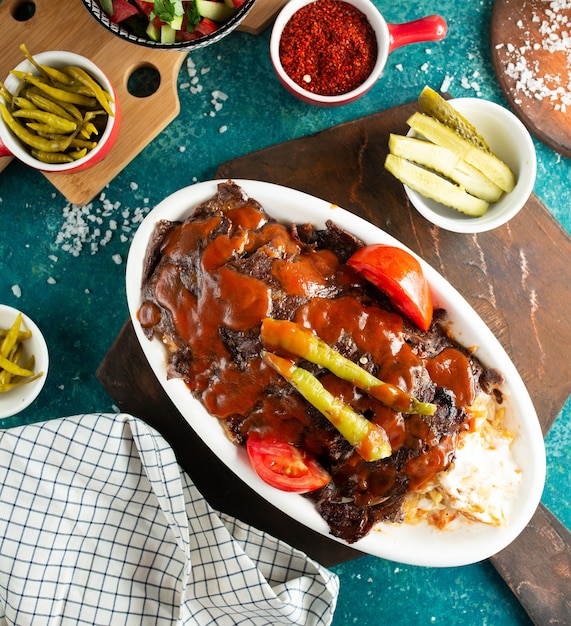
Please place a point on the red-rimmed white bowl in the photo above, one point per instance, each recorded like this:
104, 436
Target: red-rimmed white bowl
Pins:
10, 145
389, 37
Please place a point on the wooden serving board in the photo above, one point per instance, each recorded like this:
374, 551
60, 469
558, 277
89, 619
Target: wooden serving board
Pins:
516, 39
516, 277
67, 25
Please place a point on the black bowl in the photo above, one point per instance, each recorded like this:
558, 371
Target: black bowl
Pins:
120, 31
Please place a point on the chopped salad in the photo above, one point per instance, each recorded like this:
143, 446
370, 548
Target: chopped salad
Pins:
170, 21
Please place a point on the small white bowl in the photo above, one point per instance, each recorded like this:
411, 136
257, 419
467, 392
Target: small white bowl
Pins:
389, 37
19, 398
511, 142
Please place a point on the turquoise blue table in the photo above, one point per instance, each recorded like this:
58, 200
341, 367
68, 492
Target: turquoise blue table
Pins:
64, 265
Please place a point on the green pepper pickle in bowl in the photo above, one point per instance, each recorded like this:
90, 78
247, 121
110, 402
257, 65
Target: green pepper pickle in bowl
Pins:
58, 112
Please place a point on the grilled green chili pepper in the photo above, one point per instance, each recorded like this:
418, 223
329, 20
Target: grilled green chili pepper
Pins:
369, 439
282, 335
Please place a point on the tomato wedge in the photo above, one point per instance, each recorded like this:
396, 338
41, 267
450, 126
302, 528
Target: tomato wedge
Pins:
285, 466
398, 274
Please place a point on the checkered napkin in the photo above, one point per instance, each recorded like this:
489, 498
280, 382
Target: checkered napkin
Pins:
99, 525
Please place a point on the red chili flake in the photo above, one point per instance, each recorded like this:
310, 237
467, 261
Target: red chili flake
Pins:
328, 47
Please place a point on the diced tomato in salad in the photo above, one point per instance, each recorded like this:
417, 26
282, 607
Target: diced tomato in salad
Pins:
171, 21
122, 10
145, 6
205, 26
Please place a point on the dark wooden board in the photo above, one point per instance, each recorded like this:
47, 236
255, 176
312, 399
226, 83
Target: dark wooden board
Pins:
537, 568
516, 277
516, 38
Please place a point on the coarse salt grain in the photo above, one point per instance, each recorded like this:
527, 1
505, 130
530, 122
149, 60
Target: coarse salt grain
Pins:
94, 225
194, 86
446, 83
528, 76
217, 101
17, 291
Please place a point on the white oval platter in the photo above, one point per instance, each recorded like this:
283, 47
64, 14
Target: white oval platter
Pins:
420, 544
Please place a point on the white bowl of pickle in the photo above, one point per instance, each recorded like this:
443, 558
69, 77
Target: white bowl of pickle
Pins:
24, 361
468, 165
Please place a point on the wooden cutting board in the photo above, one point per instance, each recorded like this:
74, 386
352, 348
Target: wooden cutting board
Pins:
526, 64
67, 25
516, 277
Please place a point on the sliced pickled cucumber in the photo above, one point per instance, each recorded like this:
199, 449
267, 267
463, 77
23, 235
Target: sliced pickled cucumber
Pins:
440, 134
423, 152
445, 162
475, 182
431, 185
433, 104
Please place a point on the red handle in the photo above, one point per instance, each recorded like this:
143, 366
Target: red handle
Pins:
430, 28
4, 150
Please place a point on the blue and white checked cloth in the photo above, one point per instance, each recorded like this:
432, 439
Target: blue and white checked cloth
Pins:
99, 525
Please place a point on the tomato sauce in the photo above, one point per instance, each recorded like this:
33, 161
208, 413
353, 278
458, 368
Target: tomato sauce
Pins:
204, 295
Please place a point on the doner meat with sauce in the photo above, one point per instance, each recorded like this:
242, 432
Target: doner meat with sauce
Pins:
210, 281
